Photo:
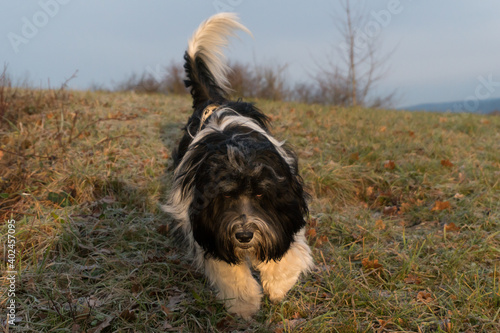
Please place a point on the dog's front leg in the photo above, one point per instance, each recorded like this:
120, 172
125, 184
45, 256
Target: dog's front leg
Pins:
235, 285
278, 277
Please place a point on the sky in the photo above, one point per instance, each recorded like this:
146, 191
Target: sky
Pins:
440, 51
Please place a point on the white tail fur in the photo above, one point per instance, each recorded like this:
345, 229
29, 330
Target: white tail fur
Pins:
209, 40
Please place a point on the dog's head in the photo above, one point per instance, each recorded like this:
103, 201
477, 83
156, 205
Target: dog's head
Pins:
247, 196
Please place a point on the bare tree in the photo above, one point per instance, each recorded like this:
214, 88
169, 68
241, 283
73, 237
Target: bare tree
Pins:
350, 78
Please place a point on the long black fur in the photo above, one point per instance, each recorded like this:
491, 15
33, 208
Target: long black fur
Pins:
236, 174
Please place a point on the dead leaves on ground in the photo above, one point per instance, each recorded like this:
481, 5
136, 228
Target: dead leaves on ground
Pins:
446, 163
450, 227
371, 265
425, 297
390, 165
380, 225
412, 279
441, 205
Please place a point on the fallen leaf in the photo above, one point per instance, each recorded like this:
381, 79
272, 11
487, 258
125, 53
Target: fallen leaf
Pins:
174, 301
382, 129
136, 288
390, 210
93, 302
441, 205
369, 191
371, 264
446, 163
458, 196
382, 325
411, 133
311, 232
412, 279
451, 227
313, 222
128, 315
321, 240
380, 225
354, 156
390, 165
102, 325
165, 309
405, 207
166, 325
424, 296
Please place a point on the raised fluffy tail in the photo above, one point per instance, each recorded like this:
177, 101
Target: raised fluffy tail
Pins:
205, 66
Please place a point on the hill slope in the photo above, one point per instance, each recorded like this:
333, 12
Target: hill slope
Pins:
404, 218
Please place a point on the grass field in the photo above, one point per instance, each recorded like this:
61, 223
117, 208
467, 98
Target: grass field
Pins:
404, 222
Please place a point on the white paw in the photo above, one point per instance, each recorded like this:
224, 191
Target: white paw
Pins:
244, 308
276, 295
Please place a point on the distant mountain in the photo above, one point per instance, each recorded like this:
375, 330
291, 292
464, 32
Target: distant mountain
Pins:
471, 106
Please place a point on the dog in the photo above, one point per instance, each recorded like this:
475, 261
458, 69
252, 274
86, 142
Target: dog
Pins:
237, 197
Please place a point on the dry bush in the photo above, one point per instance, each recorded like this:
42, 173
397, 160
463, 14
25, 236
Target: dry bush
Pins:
173, 81
169, 81
264, 81
271, 82
5, 86
18, 100
144, 83
242, 79
259, 81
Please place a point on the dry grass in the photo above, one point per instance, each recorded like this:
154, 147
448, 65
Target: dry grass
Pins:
404, 218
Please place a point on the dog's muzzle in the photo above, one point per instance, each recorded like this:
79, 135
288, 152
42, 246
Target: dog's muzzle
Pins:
244, 232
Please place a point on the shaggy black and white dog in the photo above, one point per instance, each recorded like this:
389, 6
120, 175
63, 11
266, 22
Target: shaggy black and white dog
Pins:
237, 196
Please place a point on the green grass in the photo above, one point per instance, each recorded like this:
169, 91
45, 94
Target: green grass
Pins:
83, 174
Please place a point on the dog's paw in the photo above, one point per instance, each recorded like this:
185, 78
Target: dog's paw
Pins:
275, 293
244, 308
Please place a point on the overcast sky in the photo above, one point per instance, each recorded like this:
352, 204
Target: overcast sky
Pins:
444, 50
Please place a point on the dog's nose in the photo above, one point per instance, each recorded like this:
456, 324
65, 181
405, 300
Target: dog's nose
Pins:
244, 237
